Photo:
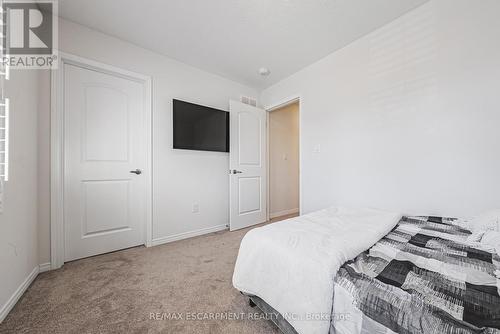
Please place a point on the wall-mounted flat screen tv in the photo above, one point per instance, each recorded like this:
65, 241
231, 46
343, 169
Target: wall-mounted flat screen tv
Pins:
200, 128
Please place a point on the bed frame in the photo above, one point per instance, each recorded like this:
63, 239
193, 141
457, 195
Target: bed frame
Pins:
280, 322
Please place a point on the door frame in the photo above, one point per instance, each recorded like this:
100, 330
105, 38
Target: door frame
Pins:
272, 107
57, 172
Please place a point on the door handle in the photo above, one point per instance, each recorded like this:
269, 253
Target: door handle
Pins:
234, 171
137, 172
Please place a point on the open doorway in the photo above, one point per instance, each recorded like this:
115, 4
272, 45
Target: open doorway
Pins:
283, 161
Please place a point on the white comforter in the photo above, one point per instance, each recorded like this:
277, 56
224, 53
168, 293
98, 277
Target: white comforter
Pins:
291, 264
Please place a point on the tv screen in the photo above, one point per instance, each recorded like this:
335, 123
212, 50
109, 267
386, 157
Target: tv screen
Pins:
200, 128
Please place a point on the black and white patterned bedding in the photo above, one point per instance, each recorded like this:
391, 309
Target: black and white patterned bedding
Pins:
423, 277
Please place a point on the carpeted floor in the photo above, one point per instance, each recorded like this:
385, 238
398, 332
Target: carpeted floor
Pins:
138, 289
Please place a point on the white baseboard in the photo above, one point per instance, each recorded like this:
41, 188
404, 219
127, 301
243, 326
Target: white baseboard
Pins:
185, 235
4, 311
45, 267
283, 213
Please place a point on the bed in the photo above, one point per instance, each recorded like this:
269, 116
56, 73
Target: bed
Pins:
397, 274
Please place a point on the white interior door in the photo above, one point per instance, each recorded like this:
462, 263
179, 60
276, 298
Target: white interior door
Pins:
105, 162
248, 184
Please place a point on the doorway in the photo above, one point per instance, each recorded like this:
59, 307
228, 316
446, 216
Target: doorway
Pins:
284, 160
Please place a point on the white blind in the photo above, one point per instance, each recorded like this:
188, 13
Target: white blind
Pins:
4, 139
4, 117
4, 125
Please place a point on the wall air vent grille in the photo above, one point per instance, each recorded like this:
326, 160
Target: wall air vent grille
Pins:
249, 100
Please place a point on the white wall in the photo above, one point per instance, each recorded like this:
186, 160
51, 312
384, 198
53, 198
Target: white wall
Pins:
44, 166
284, 160
406, 118
181, 178
18, 222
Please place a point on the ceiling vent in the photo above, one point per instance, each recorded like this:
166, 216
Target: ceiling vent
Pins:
248, 100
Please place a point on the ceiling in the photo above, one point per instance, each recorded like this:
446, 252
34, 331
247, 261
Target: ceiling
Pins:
234, 38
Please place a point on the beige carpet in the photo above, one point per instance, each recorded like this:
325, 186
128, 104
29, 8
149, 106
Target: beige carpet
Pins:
118, 292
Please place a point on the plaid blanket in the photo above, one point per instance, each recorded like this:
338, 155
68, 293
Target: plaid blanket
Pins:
423, 277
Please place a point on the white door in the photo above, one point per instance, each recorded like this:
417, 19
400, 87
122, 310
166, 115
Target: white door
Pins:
247, 158
105, 162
